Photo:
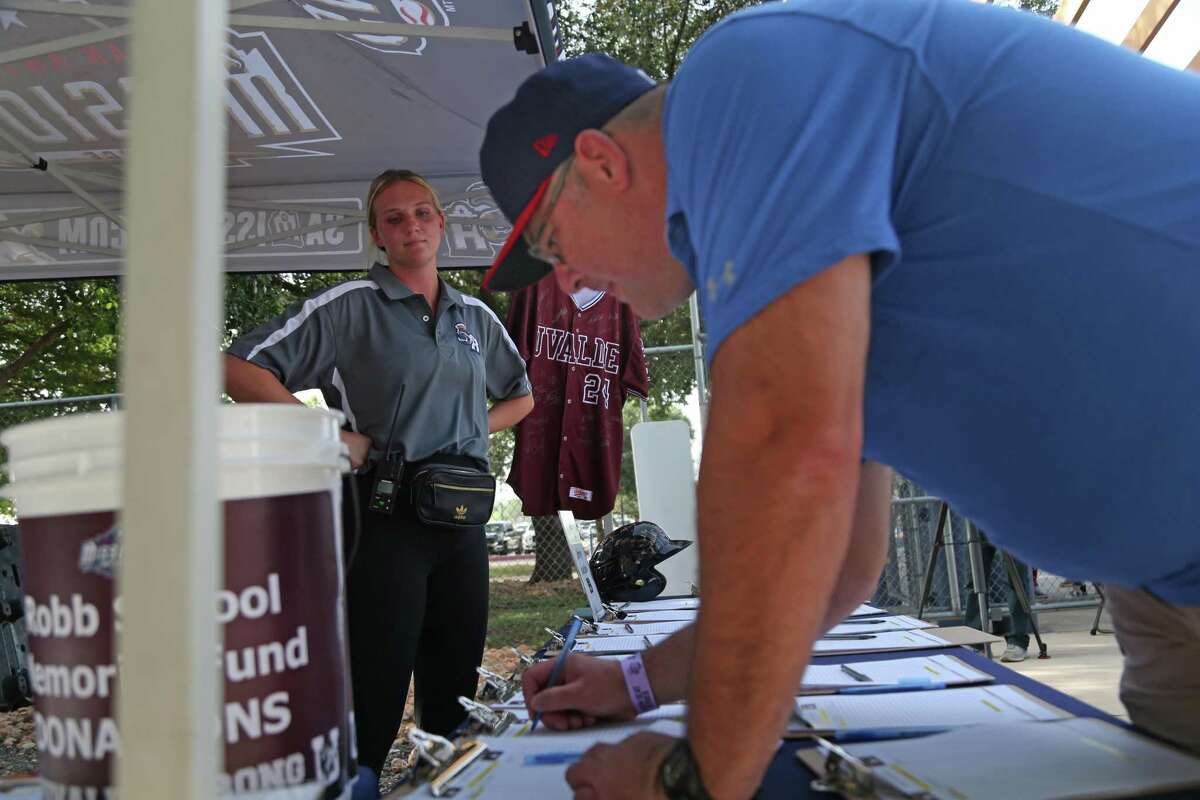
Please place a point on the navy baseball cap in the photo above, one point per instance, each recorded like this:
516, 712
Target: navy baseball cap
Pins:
534, 133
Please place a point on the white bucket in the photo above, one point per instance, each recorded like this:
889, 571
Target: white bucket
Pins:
287, 717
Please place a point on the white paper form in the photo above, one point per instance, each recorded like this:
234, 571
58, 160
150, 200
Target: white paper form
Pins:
665, 604
865, 610
677, 711
887, 640
1072, 758
626, 628
681, 614
935, 669
973, 705
899, 622
535, 765
618, 644
693, 603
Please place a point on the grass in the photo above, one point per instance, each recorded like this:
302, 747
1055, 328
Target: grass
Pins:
502, 571
520, 611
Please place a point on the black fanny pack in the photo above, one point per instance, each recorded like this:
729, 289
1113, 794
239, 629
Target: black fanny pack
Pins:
451, 496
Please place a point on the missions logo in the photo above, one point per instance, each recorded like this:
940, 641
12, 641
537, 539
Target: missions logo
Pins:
466, 337
475, 228
51, 109
407, 12
101, 554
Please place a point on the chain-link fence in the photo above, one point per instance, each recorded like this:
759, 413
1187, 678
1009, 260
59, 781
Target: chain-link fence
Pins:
936, 574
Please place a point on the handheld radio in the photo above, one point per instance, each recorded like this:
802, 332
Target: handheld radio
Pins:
389, 471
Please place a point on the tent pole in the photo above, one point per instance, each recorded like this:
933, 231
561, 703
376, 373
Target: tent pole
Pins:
170, 693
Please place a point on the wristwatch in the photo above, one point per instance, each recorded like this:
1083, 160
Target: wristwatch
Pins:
679, 774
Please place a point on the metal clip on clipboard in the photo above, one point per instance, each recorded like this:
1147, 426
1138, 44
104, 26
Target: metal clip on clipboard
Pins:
524, 661
586, 627
488, 721
557, 640
496, 688
857, 778
440, 761
612, 612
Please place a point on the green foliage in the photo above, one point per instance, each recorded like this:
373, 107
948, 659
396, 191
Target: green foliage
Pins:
1047, 8
518, 612
58, 338
653, 35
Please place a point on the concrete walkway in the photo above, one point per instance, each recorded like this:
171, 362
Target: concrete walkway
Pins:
1084, 666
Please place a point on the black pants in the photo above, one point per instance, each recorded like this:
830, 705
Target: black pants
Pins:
418, 606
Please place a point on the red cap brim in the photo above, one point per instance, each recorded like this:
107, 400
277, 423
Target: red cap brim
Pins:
514, 267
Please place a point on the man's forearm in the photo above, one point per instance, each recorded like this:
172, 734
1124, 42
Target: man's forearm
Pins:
868, 543
769, 566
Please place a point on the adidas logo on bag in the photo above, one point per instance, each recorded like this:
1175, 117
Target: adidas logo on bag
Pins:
460, 512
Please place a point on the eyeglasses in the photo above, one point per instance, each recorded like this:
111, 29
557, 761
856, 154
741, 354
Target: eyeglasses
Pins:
548, 251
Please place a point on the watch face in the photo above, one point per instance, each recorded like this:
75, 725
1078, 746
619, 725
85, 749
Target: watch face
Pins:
676, 767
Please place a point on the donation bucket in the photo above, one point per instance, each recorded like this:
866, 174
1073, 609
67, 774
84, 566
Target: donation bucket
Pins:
286, 714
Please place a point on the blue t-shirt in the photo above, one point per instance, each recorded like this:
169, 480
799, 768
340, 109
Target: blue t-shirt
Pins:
1029, 196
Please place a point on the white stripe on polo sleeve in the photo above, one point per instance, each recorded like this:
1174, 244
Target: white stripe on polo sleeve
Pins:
310, 307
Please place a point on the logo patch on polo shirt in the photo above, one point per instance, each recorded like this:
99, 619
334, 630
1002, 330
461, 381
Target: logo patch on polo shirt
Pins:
466, 337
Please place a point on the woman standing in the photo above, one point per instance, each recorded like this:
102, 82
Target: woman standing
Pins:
400, 345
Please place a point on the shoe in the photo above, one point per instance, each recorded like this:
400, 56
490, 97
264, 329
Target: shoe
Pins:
1014, 653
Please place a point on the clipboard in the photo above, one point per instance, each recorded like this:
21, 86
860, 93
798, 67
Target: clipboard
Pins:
798, 729
1111, 762
956, 636
579, 557
977, 677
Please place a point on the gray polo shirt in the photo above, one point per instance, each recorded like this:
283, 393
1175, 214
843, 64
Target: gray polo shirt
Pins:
363, 340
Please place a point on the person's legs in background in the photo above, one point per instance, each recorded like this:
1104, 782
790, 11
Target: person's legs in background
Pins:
1160, 685
1020, 624
971, 615
385, 591
455, 627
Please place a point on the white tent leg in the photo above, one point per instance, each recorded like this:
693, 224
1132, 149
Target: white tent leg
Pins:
171, 564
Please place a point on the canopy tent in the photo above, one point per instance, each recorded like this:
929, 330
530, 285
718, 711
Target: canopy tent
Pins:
316, 97
321, 96
1164, 30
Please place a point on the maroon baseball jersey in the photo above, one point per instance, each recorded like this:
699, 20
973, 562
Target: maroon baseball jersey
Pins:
584, 356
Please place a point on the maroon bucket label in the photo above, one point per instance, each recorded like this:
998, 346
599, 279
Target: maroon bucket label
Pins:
286, 711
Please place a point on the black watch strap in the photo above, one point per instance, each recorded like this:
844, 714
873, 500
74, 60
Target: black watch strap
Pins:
679, 774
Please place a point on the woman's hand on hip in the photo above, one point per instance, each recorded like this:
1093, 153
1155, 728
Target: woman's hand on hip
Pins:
358, 445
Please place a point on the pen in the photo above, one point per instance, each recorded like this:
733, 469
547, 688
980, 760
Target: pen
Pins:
848, 636
557, 670
888, 688
862, 622
853, 673
878, 734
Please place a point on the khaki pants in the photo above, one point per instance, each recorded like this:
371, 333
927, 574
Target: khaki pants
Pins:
1160, 685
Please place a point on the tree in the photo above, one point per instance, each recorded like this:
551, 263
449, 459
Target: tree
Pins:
1046, 8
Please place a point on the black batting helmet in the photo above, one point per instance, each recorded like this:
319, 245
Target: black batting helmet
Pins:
624, 563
